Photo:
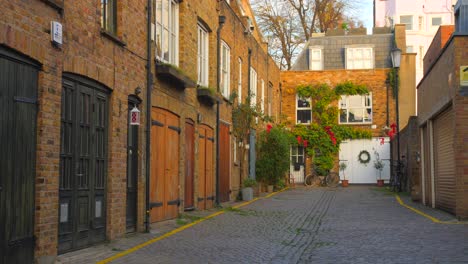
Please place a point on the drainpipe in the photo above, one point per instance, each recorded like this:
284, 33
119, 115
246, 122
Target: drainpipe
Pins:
249, 62
221, 20
149, 83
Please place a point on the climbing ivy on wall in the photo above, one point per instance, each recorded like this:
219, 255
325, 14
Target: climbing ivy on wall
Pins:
324, 135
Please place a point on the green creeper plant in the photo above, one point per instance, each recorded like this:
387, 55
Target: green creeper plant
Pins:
324, 135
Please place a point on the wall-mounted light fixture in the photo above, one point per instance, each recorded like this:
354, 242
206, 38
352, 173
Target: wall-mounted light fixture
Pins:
135, 116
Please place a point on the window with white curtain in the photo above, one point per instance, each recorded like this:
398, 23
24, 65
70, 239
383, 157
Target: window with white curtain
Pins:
315, 59
239, 82
262, 103
253, 87
167, 31
225, 69
202, 65
359, 58
355, 109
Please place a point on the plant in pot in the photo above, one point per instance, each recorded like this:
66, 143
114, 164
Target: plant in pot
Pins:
343, 167
272, 156
247, 190
379, 165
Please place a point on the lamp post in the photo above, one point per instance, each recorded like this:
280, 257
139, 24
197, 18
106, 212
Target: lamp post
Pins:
396, 59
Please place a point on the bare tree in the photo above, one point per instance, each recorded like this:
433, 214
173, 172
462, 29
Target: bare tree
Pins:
289, 23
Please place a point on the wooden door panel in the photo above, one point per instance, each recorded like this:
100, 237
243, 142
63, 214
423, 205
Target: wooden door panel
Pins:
224, 161
189, 164
82, 209
201, 168
157, 166
209, 168
172, 165
165, 165
18, 94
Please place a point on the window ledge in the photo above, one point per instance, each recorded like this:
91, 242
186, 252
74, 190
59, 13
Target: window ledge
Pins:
207, 97
113, 37
172, 74
56, 4
357, 124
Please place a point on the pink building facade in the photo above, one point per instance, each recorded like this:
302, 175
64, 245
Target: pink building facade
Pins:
422, 19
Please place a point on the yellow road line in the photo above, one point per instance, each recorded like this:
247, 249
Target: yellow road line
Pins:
433, 219
175, 231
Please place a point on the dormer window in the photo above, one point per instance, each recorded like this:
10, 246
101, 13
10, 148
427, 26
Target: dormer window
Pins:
315, 58
360, 57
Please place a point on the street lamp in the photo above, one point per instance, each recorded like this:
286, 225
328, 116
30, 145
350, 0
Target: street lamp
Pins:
396, 59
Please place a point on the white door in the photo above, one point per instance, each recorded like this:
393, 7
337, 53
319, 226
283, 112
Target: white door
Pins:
356, 172
297, 164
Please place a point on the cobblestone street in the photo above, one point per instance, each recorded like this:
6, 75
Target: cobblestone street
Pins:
359, 224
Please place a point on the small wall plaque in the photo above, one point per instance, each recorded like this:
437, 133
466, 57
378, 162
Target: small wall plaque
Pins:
56, 33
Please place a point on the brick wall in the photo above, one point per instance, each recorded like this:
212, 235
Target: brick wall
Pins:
373, 79
25, 27
440, 39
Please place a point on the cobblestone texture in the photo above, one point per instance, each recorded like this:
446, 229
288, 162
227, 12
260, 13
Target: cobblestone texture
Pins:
354, 225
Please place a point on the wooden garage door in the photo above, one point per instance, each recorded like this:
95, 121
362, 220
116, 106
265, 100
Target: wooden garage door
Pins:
444, 161
83, 163
18, 109
164, 182
189, 165
224, 163
205, 168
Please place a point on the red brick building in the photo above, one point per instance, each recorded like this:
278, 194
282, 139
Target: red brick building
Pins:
75, 164
362, 59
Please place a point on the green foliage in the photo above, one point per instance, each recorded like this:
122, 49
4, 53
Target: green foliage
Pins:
391, 77
325, 113
349, 88
211, 90
249, 183
272, 155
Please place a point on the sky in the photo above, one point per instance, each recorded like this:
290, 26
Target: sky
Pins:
364, 11
367, 14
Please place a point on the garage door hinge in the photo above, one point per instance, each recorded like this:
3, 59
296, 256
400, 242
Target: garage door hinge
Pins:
26, 100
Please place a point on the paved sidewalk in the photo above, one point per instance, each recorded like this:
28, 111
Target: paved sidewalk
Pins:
359, 224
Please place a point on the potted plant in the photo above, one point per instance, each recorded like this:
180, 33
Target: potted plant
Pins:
343, 167
272, 157
247, 190
379, 165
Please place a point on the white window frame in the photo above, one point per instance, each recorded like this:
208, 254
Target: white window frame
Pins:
253, 87
421, 23
353, 58
344, 103
167, 22
202, 56
406, 24
262, 98
270, 97
300, 108
225, 69
313, 49
409, 49
234, 150
239, 82
432, 20
297, 152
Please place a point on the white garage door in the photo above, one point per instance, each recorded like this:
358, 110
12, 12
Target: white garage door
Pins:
357, 172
